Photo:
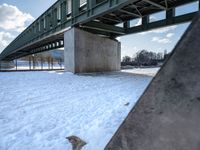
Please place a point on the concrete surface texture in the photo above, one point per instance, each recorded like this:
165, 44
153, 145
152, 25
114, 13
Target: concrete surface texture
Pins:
87, 52
167, 115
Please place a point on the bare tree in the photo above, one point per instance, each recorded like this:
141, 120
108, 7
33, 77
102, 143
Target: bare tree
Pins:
126, 59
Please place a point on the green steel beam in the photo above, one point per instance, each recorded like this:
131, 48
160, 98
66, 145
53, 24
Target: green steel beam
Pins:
111, 19
104, 27
145, 22
170, 13
102, 33
155, 4
130, 13
127, 24
162, 23
100, 9
75, 10
63, 11
90, 5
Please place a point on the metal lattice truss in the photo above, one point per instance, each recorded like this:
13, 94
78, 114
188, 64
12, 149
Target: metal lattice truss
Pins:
96, 16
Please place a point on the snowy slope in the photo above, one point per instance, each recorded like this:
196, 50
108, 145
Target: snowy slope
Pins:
143, 71
39, 109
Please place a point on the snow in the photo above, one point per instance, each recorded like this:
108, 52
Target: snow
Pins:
39, 109
143, 71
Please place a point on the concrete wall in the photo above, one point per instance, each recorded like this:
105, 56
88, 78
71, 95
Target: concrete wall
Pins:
167, 115
69, 50
86, 52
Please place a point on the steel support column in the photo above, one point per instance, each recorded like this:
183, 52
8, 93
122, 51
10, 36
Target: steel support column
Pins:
60, 64
33, 62
63, 11
52, 63
75, 4
170, 14
90, 5
49, 59
16, 63
29, 62
41, 63
199, 4
145, 22
127, 24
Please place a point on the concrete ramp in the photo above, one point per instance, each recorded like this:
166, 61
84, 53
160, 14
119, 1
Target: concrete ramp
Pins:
167, 115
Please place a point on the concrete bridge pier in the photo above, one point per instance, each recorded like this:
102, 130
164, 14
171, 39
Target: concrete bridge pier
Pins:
167, 115
86, 52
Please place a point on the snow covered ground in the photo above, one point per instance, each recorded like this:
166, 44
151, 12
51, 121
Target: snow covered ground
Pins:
39, 109
143, 71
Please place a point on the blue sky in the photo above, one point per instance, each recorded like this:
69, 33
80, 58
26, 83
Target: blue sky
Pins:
24, 12
33, 7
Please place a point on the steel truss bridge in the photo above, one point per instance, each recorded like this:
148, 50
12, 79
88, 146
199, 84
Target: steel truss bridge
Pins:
96, 16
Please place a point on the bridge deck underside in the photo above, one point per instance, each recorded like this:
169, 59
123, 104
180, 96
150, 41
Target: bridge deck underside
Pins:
138, 9
45, 44
101, 18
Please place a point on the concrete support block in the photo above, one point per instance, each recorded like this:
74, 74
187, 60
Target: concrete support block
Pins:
167, 115
86, 52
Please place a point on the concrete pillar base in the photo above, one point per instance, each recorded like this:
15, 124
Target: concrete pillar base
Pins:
86, 52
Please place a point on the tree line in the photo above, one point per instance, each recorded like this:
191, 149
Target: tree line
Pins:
144, 58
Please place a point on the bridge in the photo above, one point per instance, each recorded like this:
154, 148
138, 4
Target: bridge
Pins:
166, 116
67, 20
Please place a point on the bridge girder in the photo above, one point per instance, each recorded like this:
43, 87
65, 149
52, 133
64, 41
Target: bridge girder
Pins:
100, 17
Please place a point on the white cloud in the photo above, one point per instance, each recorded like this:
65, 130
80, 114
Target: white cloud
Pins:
139, 22
5, 39
161, 40
118, 38
153, 18
11, 18
161, 30
169, 35
164, 30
